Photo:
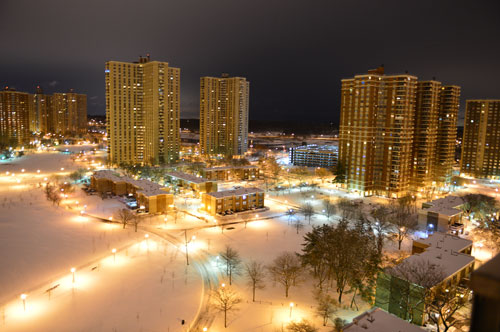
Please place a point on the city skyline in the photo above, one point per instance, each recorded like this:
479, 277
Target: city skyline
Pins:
255, 52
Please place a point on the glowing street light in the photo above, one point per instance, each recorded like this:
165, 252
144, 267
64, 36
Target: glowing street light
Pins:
114, 254
223, 285
38, 171
205, 329
291, 308
73, 272
23, 297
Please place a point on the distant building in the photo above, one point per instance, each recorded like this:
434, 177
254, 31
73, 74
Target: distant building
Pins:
42, 118
230, 201
481, 141
142, 112
325, 156
229, 173
197, 184
224, 104
16, 109
396, 133
69, 113
377, 320
442, 215
153, 197
444, 252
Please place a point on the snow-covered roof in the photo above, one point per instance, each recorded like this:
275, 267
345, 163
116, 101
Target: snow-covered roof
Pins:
448, 205
236, 192
445, 241
377, 320
443, 252
187, 177
145, 187
226, 168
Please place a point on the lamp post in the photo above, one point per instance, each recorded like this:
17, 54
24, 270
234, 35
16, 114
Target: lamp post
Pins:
291, 308
73, 272
23, 297
114, 254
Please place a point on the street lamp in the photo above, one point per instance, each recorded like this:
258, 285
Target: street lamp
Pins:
114, 254
73, 272
205, 329
291, 308
23, 297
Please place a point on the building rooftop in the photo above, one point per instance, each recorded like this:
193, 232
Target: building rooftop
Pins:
445, 241
377, 320
187, 177
317, 148
448, 205
145, 187
224, 168
236, 192
447, 260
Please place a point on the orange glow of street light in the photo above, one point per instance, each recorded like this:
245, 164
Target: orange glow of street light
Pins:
23, 298
73, 272
114, 254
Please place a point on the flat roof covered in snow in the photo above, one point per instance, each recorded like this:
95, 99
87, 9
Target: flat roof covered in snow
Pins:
377, 320
146, 187
447, 205
445, 241
236, 192
187, 177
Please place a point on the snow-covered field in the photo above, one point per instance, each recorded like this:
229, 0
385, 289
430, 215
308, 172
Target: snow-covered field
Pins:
146, 286
148, 290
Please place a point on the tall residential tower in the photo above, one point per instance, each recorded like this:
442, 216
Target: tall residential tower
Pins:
224, 115
396, 134
481, 142
142, 112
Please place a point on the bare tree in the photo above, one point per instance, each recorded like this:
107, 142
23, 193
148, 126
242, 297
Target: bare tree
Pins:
124, 216
419, 272
298, 224
327, 305
329, 208
308, 211
136, 220
443, 303
302, 326
225, 300
233, 262
256, 274
290, 213
286, 269
380, 225
338, 324
322, 173
403, 225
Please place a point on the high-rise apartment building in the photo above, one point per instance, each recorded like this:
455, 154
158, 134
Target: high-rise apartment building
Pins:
69, 113
481, 140
376, 128
15, 110
396, 133
42, 112
224, 105
142, 112
449, 102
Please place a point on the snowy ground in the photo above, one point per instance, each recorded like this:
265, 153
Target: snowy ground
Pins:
147, 286
40, 243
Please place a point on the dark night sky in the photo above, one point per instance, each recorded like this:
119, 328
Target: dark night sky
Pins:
293, 52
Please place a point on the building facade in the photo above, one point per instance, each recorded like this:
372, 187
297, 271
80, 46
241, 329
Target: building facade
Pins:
314, 156
42, 112
69, 113
230, 201
142, 112
229, 173
396, 134
481, 140
16, 109
224, 105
